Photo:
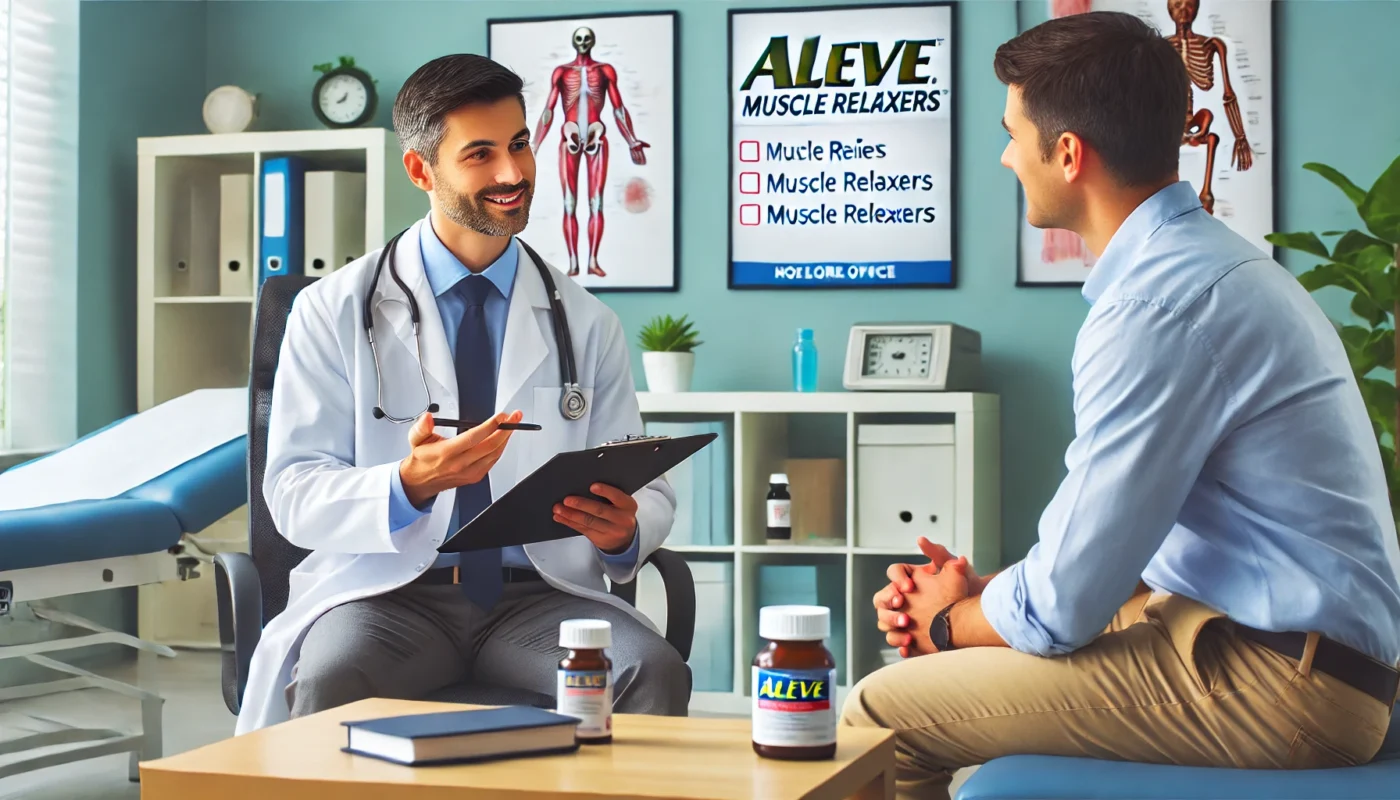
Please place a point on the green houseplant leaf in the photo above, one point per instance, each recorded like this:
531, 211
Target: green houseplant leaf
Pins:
1381, 206
1307, 242
1353, 192
669, 335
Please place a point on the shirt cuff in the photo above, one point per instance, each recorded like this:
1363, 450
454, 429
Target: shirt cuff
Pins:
402, 513
627, 558
1004, 605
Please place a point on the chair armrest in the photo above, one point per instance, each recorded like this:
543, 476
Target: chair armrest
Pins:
239, 592
680, 598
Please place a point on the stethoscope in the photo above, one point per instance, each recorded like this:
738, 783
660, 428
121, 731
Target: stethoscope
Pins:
572, 404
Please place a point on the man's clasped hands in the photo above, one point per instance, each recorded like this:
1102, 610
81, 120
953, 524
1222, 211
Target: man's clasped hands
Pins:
917, 592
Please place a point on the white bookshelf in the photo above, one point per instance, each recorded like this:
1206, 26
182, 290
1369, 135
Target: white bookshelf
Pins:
760, 423
190, 336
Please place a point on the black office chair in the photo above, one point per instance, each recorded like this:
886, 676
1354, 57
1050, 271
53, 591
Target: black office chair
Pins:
252, 587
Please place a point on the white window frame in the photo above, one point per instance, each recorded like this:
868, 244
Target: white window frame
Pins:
38, 224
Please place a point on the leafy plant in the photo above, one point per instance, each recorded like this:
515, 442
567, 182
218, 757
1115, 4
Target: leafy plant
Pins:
1363, 262
667, 335
343, 61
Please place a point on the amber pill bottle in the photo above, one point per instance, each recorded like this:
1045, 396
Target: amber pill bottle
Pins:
794, 685
585, 678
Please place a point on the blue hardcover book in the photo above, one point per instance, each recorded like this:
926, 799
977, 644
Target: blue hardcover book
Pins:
454, 737
282, 232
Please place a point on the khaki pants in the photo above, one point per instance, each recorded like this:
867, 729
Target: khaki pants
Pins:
1168, 682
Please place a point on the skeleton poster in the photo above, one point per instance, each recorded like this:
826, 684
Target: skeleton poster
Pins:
600, 101
841, 147
1227, 136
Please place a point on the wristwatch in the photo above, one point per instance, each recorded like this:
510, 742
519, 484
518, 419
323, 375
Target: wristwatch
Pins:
941, 632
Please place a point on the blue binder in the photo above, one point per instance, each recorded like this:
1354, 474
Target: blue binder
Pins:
282, 230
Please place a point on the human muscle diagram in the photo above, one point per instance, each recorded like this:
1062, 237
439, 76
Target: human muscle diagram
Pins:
600, 103
581, 87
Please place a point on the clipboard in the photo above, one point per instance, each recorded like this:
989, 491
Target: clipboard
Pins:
525, 514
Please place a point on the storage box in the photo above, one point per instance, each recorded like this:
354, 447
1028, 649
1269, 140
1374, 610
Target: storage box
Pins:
818, 489
703, 484
906, 477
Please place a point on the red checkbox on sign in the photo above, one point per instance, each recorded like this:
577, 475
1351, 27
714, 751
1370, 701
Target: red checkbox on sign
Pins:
748, 214
748, 150
748, 183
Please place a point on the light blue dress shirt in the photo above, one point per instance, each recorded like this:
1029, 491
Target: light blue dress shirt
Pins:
1222, 452
444, 272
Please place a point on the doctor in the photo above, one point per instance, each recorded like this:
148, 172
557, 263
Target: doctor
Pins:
358, 474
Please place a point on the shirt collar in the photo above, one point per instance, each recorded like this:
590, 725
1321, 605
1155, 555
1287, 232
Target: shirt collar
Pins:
1167, 204
444, 271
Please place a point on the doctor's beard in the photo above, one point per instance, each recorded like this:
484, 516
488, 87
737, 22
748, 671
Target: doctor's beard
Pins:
477, 214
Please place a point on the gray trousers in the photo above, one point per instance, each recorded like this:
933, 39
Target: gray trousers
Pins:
419, 638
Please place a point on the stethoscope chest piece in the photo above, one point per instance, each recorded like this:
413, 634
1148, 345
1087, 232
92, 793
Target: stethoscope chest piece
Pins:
572, 404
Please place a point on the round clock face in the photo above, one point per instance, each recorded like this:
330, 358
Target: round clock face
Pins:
898, 355
343, 99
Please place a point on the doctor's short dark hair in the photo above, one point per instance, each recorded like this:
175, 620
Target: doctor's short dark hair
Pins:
1108, 77
442, 86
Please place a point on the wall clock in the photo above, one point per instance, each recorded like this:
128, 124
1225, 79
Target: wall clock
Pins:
344, 96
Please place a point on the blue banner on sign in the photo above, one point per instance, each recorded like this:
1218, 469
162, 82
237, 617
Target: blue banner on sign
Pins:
888, 273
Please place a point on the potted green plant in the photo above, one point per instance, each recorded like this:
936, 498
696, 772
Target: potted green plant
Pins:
1363, 262
668, 356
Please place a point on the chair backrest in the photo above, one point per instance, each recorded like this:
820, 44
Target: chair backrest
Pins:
272, 554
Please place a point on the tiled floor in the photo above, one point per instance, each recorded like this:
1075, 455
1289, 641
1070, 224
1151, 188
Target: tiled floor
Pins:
194, 716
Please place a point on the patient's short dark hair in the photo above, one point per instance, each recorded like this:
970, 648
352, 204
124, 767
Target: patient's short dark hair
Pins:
1108, 77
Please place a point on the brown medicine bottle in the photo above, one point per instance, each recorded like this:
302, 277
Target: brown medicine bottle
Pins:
585, 678
794, 685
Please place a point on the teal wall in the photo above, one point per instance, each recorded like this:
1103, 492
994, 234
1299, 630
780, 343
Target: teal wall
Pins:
1333, 81
140, 73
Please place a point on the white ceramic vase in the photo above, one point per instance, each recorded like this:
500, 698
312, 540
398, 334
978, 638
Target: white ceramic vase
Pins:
668, 372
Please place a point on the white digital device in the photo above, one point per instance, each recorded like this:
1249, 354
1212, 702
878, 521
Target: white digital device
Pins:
912, 357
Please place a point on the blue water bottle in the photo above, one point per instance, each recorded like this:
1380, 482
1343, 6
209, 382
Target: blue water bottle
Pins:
804, 362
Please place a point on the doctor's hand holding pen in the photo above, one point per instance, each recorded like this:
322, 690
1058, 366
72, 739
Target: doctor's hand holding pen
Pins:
438, 463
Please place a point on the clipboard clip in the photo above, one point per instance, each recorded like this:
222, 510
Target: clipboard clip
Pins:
634, 437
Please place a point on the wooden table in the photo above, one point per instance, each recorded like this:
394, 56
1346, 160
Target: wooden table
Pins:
650, 757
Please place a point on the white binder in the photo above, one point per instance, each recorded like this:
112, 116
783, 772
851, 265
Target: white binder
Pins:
236, 267
335, 220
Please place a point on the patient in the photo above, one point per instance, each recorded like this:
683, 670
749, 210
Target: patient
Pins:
1215, 581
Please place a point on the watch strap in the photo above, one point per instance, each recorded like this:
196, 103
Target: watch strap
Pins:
940, 632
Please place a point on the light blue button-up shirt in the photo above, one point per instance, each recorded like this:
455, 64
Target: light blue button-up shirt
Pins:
1222, 452
444, 272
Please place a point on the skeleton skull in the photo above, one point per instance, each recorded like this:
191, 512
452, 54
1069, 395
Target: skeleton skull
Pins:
1183, 12
584, 39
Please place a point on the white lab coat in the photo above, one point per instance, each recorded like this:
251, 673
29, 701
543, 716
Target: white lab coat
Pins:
329, 461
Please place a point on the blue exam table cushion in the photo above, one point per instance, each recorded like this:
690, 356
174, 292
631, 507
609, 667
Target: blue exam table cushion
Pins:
145, 519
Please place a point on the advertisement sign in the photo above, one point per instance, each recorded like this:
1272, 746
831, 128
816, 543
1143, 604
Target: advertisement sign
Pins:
841, 147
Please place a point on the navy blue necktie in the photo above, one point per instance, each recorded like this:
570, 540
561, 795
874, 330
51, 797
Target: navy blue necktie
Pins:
476, 397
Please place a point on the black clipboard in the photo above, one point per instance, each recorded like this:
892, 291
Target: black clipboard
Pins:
525, 514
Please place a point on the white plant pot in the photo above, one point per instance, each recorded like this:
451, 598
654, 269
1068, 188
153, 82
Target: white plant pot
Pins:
668, 372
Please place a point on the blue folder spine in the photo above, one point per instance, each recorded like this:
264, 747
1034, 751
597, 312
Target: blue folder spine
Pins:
282, 227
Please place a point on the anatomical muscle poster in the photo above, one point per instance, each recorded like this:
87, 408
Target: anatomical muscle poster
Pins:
1227, 137
600, 102
841, 147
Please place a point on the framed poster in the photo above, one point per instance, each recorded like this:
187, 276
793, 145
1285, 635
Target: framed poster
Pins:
841, 147
1227, 151
600, 99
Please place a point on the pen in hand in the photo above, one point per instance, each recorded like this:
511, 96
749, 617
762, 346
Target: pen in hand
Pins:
462, 425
